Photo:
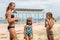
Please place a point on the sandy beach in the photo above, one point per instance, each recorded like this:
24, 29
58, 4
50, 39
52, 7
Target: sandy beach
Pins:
39, 31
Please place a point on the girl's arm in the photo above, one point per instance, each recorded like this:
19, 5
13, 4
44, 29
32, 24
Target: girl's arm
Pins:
24, 31
9, 17
51, 23
45, 22
32, 32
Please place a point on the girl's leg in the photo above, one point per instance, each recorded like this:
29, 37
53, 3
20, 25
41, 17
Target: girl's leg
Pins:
51, 37
30, 37
13, 34
11, 37
48, 37
27, 38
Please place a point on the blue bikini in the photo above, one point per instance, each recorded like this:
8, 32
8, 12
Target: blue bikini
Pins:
28, 30
12, 16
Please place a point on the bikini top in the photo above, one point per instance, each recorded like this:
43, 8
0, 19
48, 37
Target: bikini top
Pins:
28, 28
12, 16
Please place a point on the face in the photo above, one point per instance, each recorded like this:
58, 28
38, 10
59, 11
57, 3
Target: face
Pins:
13, 6
30, 23
47, 16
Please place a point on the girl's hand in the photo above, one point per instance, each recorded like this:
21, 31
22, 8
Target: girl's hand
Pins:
16, 19
47, 19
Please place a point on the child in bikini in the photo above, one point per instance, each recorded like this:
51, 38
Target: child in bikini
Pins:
49, 22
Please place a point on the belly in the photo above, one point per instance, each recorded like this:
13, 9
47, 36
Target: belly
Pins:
12, 24
48, 29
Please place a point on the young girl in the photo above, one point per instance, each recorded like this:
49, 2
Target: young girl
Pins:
28, 33
11, 21
49, 22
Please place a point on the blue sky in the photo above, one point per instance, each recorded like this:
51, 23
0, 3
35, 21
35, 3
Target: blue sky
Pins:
47, 5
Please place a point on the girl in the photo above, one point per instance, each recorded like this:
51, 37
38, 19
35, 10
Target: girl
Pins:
28, 33
49, 22
11, 21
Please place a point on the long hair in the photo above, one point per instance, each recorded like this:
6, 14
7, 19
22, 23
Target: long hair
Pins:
50, 15
29, 20
10, 4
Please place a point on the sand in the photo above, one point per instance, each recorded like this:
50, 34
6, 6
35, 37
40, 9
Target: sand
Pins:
39, 31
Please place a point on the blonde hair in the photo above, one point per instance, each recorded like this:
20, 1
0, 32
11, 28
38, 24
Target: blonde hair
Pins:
10, 4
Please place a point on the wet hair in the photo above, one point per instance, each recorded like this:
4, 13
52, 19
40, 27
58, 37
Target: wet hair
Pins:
50, 15
29, 20
10, 4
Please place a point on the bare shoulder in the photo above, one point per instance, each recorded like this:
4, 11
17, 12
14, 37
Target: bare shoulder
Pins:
8, 12
25, 25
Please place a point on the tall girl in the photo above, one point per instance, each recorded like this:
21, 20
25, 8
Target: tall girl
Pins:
11, 21
49, 22
28, 33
